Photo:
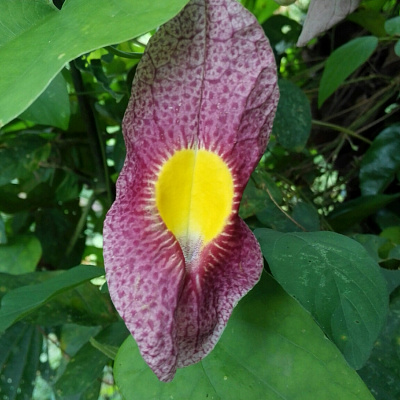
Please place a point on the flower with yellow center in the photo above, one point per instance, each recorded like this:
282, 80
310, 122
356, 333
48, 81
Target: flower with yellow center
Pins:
178, 258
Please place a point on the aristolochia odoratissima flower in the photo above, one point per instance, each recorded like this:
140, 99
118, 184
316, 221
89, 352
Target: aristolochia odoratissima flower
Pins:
178, 258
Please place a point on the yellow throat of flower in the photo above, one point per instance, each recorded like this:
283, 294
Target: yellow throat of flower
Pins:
194, 196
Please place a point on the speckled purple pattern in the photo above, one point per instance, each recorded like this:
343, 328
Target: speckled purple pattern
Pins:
207, 80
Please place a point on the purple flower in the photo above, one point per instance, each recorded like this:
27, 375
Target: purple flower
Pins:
178, 257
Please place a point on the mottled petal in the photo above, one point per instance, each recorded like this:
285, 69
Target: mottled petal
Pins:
177, 256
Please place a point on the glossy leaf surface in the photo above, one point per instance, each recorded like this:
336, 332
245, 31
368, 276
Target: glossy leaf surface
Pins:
52, 106
270, 349
336, 280
41, 39
21, 301
381, 162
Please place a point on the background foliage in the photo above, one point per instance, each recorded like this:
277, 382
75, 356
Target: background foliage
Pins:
324, 203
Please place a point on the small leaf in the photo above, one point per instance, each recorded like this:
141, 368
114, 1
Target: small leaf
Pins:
3, 236
20, 255
397, 48
20, 347
381, 162
354, 211
392, 26
21, 155
356, 52
292, 124
87, 365
324, 14
306, 215
370, 19
271, 349
108, 350
335, 279
371, 243
255, 196
22, 301
282, 32
52, 106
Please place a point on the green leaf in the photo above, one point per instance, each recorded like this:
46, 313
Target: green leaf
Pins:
84, 305
306, 215
397, 48
22, 301
370, 19
55, 227
282, 32
382, 371
381, 161
356, 52
3, 235
20, 347
87, 365
392, 26
392, 279
20, 255
255, 196
354, 211
271, 349
52, 106
21, 155
108, 350
292, 123
38, 40
334, 278
371, 243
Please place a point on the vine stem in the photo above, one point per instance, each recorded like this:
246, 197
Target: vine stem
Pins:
341, 129
284, 212
81, 224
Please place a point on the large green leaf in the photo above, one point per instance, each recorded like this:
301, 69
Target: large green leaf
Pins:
271, 349
20, 347
334, 278
381, 161
37, 40
20, 255
52, 106
382, 371
22, 301
292, 123
355, 53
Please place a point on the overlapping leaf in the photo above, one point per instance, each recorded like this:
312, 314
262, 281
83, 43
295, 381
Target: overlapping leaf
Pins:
381, 162
22, 301
271, 349
336, 280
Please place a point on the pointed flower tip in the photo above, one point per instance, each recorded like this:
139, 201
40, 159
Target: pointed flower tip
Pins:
178, 258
